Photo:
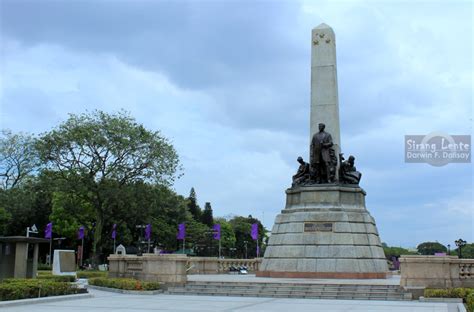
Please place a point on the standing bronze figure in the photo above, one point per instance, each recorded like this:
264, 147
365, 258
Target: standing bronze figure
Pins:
323, 158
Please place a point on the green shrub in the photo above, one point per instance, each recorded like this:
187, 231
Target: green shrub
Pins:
467, 294
44, 266
44, 273
58, 278
470, 302
91, 274
13, 289
448, 293
124, 283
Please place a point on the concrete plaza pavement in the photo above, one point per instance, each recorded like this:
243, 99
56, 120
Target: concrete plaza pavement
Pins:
107, 301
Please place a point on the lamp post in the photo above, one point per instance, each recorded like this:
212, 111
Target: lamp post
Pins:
460, 243
141, 227
245, 243
449, 249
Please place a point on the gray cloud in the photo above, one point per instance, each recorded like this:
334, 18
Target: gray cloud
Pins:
229, 84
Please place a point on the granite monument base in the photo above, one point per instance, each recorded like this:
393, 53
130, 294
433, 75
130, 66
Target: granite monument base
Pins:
325, 231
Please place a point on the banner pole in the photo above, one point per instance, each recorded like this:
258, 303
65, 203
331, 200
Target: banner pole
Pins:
219, 248
50, 249
82, 250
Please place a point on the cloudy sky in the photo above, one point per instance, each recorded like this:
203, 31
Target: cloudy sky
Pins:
229, 83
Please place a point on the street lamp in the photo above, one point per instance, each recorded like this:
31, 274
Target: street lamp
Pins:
449, 249
460, 243
32, 229
141, 227
245, 243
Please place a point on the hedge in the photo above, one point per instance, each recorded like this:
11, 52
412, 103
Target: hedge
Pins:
470, 302
467, 294
124, 283
43, 266
13, 289
58, 278
91, 274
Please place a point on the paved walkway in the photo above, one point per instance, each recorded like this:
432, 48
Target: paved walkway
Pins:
106, 301
251, 278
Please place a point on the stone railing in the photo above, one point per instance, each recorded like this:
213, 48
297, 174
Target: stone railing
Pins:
466, 270
436, 272
208, 265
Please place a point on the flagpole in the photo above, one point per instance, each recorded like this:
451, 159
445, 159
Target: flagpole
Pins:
184, 242
50, 249
114, 245
82, 250
148, 245
258, 249
219, 248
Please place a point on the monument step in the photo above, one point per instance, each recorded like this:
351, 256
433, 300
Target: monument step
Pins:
276, 285
353, 296
305, 289
306, 293
291, 290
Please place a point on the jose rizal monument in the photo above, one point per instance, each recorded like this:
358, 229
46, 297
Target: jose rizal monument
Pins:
325, 229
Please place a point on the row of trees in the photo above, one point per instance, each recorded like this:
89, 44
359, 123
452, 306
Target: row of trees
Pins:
96, 170
429, 249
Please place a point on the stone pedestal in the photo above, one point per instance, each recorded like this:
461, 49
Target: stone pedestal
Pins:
64, 262
325, 231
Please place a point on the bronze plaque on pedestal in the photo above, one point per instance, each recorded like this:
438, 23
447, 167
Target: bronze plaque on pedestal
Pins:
318, 227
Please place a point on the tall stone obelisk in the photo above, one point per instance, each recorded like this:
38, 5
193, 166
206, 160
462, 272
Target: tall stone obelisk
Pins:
324, 99
325, 230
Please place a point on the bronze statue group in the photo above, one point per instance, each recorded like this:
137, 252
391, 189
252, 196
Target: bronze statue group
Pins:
323, 164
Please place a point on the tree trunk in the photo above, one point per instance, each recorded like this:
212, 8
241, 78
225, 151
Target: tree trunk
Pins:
96, 245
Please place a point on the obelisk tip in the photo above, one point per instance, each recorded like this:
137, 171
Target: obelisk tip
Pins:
323, 26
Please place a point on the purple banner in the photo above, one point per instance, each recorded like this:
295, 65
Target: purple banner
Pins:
80, 233
148, 231
114, 231
254, 232
181, 231
217, 231
48, 231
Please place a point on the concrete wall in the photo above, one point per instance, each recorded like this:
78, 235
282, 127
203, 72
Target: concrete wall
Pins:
7, 260
169, 269
436, 272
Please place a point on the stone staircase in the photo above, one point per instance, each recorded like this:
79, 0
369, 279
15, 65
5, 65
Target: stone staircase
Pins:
292, 290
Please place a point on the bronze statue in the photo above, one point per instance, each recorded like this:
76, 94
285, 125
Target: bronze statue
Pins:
302, 175
323, 159
348, 173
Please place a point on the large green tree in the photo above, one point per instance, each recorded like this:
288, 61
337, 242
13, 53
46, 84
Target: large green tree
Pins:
207, 217
227, 236
5, 217
18, 158
245, 245
430, 248
193, 206
103, 153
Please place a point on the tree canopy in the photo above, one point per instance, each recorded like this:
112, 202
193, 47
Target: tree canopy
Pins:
98, 170
430, 248
101, 153
18, 158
